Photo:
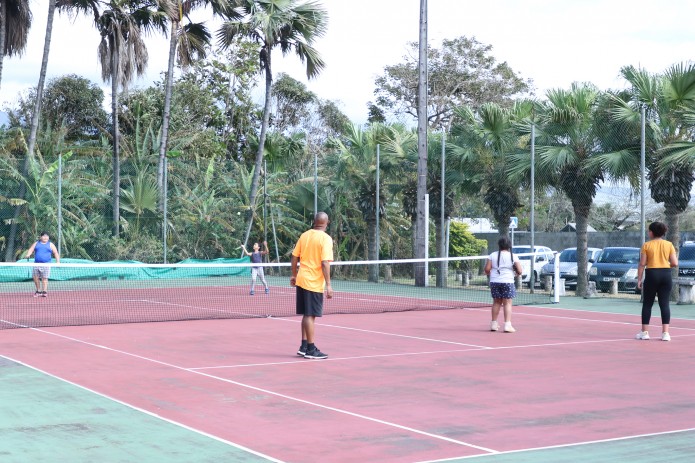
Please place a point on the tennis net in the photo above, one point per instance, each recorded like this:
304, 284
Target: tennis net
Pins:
105, 293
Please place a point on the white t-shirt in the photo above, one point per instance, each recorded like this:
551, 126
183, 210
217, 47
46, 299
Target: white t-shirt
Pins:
505, 272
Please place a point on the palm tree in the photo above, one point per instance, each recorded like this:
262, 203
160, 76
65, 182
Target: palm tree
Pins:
574, 156
36, 112
481, 144
15, 22
122, 56
286, 24
669, 101
353, 167
188, 43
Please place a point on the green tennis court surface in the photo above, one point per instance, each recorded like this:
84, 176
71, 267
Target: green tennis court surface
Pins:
44, 419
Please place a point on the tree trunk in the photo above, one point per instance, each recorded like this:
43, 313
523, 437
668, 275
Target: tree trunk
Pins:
116, 161
442, 267
261, 147
420, 241
3, 37
9, 254
581, 215
674, 236
167, 112
372, 252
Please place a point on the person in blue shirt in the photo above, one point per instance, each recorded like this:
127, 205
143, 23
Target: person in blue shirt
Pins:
43, 250
257, 271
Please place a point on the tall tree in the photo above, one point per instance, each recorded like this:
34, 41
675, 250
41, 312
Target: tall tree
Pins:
289, 25
462, 72
669, 101
574, 155
353, 166
422, 119
481, 143
122, 56
9, 254
188, 42
15, 22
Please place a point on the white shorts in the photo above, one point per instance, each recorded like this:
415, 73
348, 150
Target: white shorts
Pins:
42, 272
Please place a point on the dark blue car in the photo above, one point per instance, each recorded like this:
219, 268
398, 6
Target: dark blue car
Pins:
618, 264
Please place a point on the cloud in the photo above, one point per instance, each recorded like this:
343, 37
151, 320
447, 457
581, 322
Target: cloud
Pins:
553, 42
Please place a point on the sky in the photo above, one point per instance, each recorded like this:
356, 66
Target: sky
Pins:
552, 42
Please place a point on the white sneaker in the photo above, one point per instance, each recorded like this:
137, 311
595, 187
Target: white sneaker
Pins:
665, 337
642, 335
494, 326
508, 328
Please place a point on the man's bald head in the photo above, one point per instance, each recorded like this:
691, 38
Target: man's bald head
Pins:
321, 220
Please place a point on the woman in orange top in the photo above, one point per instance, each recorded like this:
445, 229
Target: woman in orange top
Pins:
658, 256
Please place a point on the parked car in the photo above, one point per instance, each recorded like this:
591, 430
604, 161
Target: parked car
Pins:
568, 266
616, 264
545, 256
686, 261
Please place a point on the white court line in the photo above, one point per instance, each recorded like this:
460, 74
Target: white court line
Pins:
600, 441
388, 334
555, 307
406, 354
276, 394
333, 359
639, 322
223, 311
142, 410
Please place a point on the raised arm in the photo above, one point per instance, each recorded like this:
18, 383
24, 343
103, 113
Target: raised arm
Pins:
243, 248
265, 248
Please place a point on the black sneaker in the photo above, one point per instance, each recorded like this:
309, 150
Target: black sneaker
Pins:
44, 294
315, 353
37, 294
302, 350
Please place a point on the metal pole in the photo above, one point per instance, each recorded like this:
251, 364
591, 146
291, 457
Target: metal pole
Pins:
164, 210
316, 179
642, 166
532, 279
443, 270
275, 236
378, 202
265, 200
60, 202
427, 239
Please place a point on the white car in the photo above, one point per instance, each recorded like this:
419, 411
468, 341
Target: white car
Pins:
544, 256
568, 266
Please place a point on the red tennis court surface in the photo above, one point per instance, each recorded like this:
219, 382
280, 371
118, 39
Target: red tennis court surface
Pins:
397, 387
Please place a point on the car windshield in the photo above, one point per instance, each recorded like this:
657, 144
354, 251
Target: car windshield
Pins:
568, 255
522, 250
620, 256
687, 253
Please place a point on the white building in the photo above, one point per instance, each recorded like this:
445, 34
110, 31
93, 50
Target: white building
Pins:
477, 225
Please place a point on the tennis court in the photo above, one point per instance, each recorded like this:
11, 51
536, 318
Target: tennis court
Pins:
399, 386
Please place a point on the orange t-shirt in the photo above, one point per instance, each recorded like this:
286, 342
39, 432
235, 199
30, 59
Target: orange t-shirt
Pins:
313, 247
658, 252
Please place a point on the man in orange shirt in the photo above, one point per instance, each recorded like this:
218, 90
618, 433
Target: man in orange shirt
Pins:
315, 251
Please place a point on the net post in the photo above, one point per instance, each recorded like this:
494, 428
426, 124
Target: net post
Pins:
556, 278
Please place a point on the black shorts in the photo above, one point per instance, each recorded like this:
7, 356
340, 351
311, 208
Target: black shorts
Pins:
309, 303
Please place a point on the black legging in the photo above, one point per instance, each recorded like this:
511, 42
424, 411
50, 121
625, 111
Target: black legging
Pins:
657, 281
